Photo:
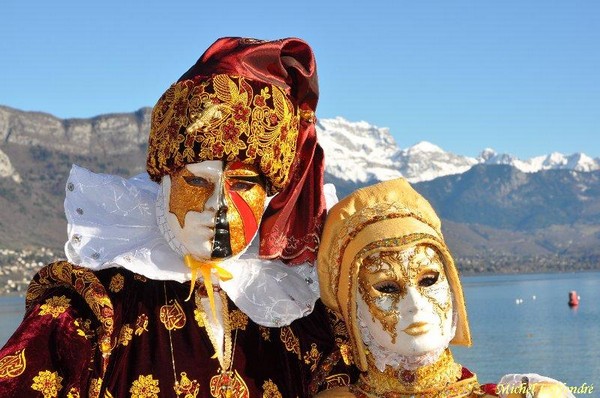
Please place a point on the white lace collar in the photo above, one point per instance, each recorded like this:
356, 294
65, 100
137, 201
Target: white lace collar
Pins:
112, 223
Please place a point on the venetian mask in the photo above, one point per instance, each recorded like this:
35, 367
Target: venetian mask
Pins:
213, 208
405, 301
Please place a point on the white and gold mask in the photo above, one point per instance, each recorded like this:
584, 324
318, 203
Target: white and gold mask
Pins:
405, 303
385, 268
213, 208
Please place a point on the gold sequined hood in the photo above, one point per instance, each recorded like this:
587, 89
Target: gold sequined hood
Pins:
390, 211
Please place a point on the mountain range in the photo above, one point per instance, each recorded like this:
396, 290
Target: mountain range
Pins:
500, 213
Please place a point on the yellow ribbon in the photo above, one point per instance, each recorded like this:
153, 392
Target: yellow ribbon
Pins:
205, 268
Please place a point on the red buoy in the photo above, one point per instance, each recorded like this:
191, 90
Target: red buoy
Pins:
573, 299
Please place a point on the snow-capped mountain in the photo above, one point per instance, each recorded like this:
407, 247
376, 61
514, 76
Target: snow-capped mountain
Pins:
360, 152
555, 160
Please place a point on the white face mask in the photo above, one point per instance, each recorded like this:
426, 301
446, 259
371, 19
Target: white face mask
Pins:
405, 302
213, 208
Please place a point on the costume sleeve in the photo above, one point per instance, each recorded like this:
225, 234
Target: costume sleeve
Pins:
49, 354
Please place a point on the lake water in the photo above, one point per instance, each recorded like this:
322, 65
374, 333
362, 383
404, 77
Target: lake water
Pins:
541, 335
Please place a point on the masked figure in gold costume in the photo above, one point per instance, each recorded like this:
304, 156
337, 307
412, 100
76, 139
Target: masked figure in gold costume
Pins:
196, 279
385, 269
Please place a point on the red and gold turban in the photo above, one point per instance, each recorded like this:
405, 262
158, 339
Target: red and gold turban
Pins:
251, 101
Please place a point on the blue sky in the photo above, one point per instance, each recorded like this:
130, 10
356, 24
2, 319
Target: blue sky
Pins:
518, 76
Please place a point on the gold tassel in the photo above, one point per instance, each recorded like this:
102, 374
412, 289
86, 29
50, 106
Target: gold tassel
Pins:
205, 268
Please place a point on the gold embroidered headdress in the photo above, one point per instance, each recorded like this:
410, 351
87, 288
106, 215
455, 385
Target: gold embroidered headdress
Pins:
251, 101
389, 214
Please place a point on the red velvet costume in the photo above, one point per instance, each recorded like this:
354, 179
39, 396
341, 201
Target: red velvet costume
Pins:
55, 351
118, 327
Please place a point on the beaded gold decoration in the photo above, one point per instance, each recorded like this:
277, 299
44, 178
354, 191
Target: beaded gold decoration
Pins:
428, 381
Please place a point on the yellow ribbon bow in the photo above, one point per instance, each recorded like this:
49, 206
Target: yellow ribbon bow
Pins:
205, 268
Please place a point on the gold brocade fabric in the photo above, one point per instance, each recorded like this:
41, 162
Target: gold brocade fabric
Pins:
224, 118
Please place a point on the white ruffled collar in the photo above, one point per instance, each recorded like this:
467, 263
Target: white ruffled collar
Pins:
112, 223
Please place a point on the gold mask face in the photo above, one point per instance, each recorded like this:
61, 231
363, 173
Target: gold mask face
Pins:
215, 207
406, 294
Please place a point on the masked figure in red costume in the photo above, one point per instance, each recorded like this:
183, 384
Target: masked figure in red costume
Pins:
194, 280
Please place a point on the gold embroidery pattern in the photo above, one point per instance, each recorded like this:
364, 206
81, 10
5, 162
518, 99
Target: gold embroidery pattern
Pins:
83, 327
144, 387
225, 386
141, 324
125, 335
94, 390
140, 278
340, 334
190, 388
48, 383
270, 390
13, 365
337, 380
116, 283
73, 393
55, 306
290, 341
265, 333
172, 316
87, 285
224, 117
238, 320
312, 357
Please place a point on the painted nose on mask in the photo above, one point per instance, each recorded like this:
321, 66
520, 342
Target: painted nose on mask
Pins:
222, 239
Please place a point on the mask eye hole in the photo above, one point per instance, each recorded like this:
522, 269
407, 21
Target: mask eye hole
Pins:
241, 186
198, 181
387, 287
429, 278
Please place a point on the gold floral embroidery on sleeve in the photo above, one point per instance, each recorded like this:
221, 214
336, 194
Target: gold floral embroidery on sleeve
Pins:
312, 357
116, 283
270, 390
13, 365
238, 320
141, 324
290, 341
55, 306
48, 383
125, 335
172, 316
88, 286
144, 387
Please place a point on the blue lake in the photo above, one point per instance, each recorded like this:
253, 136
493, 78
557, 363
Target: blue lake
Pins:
541, 335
